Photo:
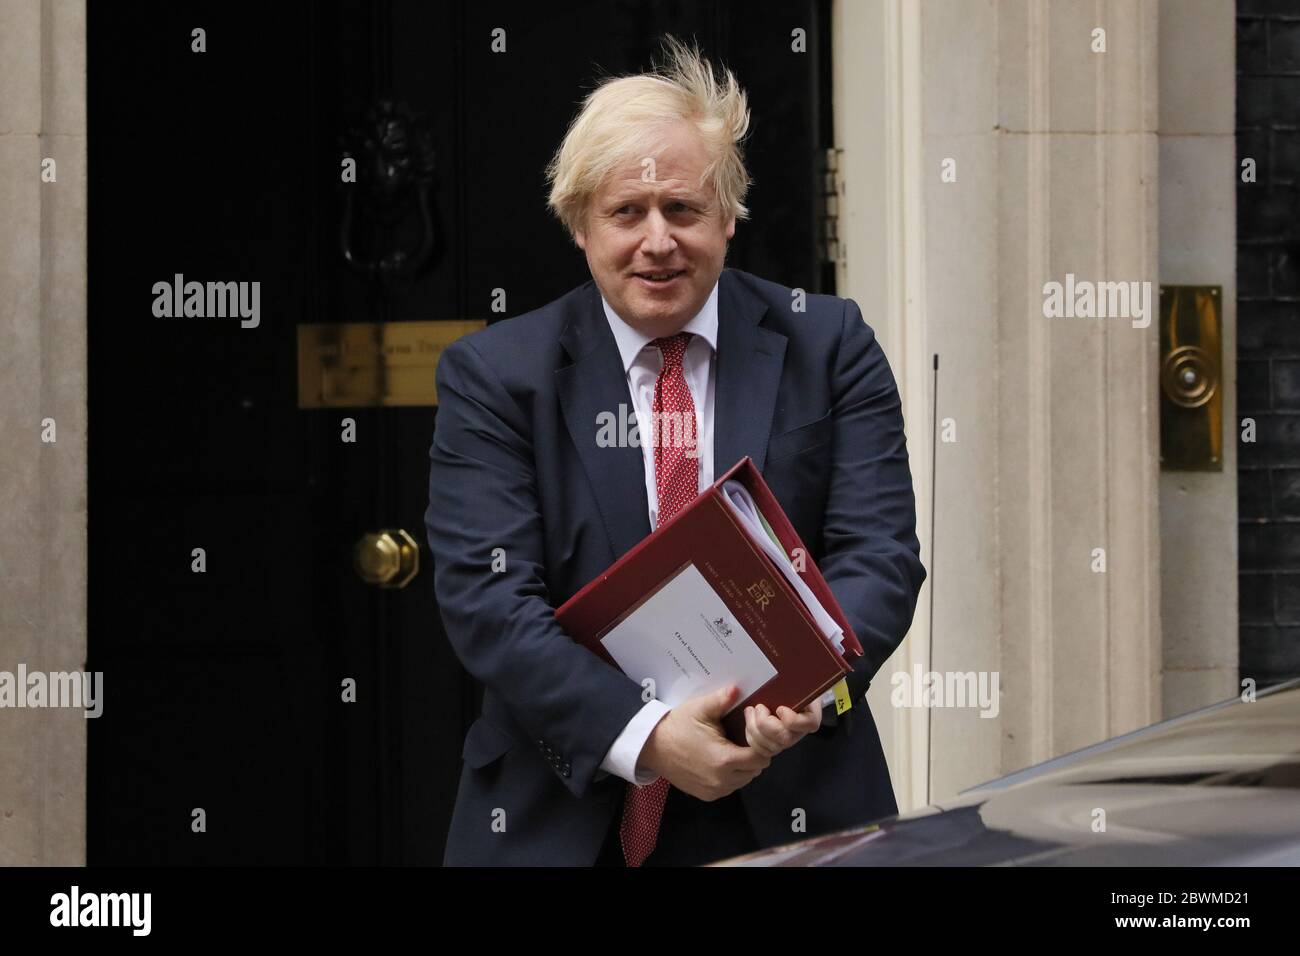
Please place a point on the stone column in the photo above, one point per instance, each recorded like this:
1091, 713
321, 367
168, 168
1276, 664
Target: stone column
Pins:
42, 388
1078, 419
1033, 148
1198, 246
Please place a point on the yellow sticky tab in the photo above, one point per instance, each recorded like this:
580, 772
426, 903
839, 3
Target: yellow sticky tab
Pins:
842, 699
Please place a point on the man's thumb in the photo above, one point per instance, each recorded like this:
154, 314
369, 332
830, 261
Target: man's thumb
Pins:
719, 702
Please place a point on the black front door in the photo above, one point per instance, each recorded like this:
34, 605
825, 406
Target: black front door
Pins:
263, 702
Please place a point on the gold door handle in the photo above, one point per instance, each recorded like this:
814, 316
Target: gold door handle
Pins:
387, 559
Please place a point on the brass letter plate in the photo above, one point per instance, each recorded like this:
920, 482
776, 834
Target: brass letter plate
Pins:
364, 364
1191, 378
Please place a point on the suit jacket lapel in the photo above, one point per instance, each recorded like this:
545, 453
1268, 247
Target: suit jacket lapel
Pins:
746, 378
595, 384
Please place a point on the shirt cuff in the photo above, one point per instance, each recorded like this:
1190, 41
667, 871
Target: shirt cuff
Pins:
626, 749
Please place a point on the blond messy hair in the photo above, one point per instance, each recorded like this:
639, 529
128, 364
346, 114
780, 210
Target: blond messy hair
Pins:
622, 119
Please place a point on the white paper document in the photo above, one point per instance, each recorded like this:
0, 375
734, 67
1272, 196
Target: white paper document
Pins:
742, 505
685, 639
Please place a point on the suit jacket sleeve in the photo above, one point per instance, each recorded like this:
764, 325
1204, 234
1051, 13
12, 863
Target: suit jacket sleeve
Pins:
483, 496
871, 555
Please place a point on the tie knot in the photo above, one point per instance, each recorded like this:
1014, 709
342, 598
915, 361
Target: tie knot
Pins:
673, 348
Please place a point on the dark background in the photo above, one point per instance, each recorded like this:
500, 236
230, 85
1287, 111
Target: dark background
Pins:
223, 689
1268, 338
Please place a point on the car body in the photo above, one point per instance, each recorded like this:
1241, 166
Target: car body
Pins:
1217, 786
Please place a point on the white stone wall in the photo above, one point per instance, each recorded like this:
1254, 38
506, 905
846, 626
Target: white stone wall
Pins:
42, 376
1059, 166
1198, 246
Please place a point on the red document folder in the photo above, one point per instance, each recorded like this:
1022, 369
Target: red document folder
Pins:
709, 535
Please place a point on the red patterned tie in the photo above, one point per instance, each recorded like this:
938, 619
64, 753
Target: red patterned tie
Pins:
676, 483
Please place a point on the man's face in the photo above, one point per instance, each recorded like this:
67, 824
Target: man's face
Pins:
652, 219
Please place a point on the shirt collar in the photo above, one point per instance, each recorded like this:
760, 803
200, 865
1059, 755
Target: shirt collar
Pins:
631, 340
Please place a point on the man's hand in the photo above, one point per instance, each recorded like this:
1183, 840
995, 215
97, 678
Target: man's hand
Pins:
689, 748
772, 733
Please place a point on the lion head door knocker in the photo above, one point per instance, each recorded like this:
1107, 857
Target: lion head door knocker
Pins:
389, 229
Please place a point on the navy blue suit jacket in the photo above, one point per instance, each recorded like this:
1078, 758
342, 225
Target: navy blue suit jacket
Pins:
515, 466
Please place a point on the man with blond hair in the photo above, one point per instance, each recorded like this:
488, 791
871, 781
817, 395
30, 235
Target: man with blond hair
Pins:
568, 764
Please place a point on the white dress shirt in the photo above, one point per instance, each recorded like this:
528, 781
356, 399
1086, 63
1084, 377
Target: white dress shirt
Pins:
642, 363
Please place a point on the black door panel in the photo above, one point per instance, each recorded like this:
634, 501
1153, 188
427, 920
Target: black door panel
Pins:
224, 688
